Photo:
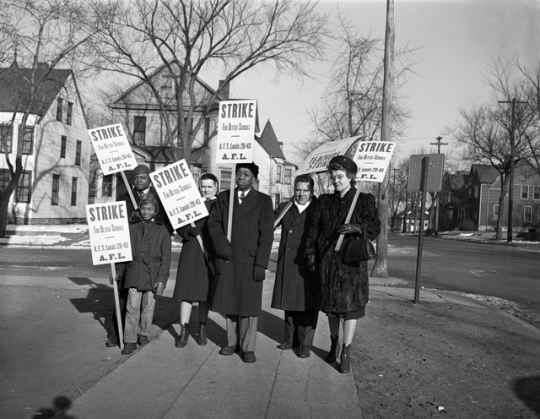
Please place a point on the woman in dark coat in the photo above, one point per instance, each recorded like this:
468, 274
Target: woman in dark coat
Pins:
195, 271
344, 288
295, 287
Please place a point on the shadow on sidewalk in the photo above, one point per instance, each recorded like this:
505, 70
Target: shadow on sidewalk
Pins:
528, 391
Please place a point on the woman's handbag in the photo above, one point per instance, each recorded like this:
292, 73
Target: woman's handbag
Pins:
358, 249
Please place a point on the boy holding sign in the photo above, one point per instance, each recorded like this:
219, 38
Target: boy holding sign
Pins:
147, 273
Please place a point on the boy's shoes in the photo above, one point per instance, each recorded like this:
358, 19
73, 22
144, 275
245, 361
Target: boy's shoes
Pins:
229, 350
143, 340
249, 357
304, 351
285, 346
112, 341
129, 348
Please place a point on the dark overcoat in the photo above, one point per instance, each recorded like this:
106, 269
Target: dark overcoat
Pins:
151, 252
195, 277
235, 290
295, 288
343, 287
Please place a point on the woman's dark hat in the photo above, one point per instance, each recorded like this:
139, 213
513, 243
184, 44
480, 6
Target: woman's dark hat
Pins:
345, 162
251, 166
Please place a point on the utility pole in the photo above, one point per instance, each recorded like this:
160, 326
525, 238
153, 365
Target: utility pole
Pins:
512, 152
438, 144
394, 206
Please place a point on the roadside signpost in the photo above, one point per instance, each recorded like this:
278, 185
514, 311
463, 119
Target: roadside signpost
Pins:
425, 174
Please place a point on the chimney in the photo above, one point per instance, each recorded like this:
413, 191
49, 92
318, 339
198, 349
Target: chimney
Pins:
280, 145
224, 89
42, 66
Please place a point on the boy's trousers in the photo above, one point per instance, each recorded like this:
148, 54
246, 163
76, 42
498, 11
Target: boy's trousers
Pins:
139, 315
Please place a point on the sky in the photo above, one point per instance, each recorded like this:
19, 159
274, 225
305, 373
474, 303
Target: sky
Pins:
455, 41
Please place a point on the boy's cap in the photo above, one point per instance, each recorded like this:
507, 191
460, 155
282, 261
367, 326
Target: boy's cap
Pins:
149, 200
140, 169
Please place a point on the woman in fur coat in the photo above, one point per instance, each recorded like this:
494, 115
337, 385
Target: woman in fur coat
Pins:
343, 287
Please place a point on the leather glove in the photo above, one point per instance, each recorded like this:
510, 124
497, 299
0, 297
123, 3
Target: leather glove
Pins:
194, 231
259, 273
350, 229
159, 288
117, 278
225, 253
310, 263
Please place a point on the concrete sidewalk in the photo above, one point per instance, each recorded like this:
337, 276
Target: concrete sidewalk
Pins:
160, 381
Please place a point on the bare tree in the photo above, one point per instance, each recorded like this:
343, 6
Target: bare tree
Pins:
39, 32
190, 37
485, 129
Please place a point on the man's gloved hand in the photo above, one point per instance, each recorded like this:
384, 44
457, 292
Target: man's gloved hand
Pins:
310, 263
259, 273
117, 278
194, 231
225, 253
159, 288
350, 229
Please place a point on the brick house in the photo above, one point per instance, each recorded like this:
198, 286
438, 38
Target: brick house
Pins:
138, 111
56, 151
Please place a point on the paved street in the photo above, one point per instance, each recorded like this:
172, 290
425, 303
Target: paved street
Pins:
500, 271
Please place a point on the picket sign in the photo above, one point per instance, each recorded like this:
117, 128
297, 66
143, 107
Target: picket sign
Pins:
282, 213
237, 122
114, 155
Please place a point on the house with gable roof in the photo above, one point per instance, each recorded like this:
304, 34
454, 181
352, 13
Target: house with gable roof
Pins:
474, 195
139, 112
56, 151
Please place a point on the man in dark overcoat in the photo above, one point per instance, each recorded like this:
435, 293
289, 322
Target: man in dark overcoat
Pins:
242, 261
140, 179
295, 287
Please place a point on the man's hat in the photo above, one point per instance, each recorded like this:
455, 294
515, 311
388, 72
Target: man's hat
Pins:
140, 169
251, 166
345, 162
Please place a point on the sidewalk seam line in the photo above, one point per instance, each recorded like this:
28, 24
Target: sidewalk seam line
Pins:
267, 410
191, 378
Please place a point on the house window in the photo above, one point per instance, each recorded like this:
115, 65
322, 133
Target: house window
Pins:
55, 189
278, 199
461, 213
59, 106
527, 214
78, 154
23, 188
69, 113
28, 140
287, 179
106, 188
22, 192
278, 173
5, 138
536, 192
524, 192
4, 179
74, 182
139, 130
63, 147
495, 212
225, 179
206, 131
